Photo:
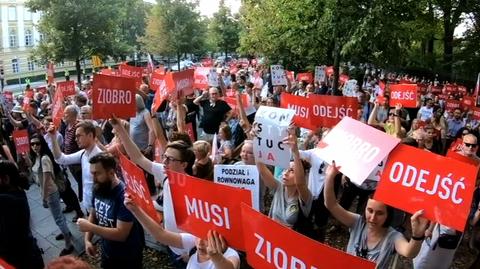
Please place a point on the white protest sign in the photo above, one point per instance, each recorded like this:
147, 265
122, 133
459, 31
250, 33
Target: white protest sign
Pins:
240, 176
319, 73
271, 126
356, 148
278, 75
264, 92
213, 78
349, 88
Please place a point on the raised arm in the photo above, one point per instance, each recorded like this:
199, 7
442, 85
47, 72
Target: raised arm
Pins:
411, 248
132, 150
154, 228
300, 182
200, 98
266, 176
372, 119
397, 121
346, 217
181, 114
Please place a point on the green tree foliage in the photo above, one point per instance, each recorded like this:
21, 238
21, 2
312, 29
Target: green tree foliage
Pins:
77, 29
224, 28
174, 28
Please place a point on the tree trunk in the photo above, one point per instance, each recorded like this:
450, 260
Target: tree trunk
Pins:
178, 60
79, 72
448, 29
336, 67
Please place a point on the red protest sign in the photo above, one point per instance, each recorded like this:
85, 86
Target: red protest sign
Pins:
208, 62
405, 94
66, 87
27, 99
462, 90
329, 70
157, 81
468, 102
356, 147
189, 130
180, 81
327, 110
160, 95
128, 71
476, 112
136, 187
271, 245
57, 109
50, 73
20, 138
308, 77
202, 205
415, 179
449, 88
451, 104
108, 72
201, 77
302, 107
113, 95
290, 75
5, 265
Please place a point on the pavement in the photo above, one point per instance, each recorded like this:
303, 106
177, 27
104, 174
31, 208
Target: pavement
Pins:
44, 228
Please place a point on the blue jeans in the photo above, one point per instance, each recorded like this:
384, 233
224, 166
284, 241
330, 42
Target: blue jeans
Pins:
53, 201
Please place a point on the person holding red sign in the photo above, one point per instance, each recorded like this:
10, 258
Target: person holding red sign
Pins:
212, 253
122, 237
373, 238
179, 157
292, 200
392, 125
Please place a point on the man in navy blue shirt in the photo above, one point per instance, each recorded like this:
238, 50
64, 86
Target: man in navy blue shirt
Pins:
122, 237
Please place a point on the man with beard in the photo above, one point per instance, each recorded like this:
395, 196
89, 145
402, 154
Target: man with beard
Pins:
122, 238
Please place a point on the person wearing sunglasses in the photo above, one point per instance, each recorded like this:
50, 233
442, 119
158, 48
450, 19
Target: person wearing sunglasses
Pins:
45, 171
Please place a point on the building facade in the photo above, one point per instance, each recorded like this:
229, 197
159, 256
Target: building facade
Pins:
19, 35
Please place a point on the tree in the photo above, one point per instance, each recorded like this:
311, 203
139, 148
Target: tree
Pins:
174, 28
77, 29
225, 29
132, 21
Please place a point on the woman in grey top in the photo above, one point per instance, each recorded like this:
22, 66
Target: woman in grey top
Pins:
372, 237
291, 194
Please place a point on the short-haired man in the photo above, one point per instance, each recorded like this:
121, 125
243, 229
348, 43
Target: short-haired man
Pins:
214, 112
85, 135
122, 237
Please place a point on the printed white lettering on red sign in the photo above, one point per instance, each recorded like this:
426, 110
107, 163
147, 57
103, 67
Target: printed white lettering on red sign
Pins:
208, 212
113, 96
332, 111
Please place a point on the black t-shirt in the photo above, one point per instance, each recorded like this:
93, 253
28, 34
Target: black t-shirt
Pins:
109, 209
213, 115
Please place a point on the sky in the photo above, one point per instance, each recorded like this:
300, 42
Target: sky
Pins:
208, 7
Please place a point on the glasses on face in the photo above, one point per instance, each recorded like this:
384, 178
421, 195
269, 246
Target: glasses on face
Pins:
35, 143
469, 145
169, 159
391, 114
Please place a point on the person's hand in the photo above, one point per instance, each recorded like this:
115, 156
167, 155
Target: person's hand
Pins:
291, 141
129, 203
398, 106
51, 130
419, 224
216, 245
114, 120
333, 169
83, 225
90, 249
204, 94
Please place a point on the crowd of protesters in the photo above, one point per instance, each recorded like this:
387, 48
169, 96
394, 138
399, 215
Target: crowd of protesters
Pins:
303, 197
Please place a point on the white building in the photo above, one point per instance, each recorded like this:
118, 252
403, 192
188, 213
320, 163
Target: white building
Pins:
19, 35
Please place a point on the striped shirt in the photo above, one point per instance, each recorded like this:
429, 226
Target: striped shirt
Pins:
70, 144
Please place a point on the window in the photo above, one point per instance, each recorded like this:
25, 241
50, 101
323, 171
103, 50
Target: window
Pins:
31, 65
12, 13
27, 15
12, 38
28, 38
15, 66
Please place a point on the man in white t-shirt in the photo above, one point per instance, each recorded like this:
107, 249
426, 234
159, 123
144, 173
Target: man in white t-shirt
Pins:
426, 112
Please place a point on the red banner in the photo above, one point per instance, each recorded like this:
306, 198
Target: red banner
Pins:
108, 72
57, 109
415, 179
468, 102
271, 245
66, 87
201, 77
180, 81
20, 138
137, 188
113, 95
451, 104
157, 81
5, 265
405, 94
302, 107
308, 77
327, 110
201, 205
450, 89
